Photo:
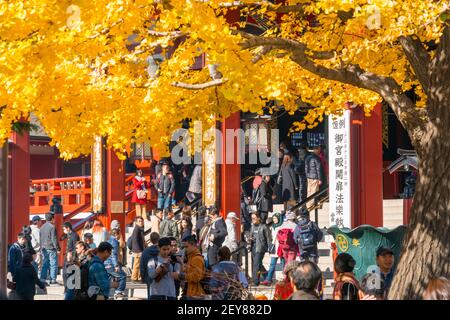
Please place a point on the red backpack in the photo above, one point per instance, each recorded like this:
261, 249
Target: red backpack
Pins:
286, 243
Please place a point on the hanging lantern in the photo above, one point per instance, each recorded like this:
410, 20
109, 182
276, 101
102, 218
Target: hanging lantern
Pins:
141, 155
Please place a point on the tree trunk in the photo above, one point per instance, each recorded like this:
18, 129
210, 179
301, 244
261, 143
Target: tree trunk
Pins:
426, 248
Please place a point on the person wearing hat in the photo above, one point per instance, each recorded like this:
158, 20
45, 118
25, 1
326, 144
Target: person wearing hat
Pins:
36, 242
115, 224
287, 248
307, 235
230, 239
385, 261
284, 289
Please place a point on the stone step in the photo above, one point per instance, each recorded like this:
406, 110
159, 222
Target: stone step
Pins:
392, 202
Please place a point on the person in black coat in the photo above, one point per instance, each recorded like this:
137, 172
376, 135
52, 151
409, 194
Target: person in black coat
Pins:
266, 204
16, 253
137, 247
217, 234
300, 170
288, 180
26, 279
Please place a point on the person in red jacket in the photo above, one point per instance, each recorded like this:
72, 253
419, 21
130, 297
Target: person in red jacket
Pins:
140, 198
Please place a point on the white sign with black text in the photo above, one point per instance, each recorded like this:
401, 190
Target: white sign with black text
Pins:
340, 174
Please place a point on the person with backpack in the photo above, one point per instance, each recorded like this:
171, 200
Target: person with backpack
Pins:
287, 248
162, 274
72, 238
165, 185
227, 281
148, 254
259, 241
193, 270
98, 278
83, 255
113, 267
346, 285
26, 279
16, 253
265, 202
307, 235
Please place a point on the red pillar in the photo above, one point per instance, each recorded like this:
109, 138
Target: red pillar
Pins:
367, 167
231, 172
19, 195
115, 191
407, 204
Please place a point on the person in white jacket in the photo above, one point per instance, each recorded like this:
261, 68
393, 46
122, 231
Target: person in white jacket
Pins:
231, 240
36, 242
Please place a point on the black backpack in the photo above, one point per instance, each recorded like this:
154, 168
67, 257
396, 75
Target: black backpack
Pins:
257, 196
307, 237
82, 293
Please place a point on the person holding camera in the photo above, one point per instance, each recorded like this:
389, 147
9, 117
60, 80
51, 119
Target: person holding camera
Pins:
162, 274
113, 266
194, 269
98, 278
176, 256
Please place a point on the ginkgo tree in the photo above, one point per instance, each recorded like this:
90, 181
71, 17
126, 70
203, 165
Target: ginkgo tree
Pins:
82, 68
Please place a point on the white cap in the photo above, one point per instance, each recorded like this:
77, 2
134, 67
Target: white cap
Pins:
115, 224
232, 215
290, 215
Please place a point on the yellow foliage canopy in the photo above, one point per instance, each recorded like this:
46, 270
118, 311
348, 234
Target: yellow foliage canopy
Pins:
75, 65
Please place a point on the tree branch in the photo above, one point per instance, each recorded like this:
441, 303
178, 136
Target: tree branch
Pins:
212, 83
440, 79
260, 54
106, 30
411, 118
172, 34
418, 58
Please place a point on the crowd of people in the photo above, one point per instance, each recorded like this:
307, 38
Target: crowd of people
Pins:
194, 253
194, 265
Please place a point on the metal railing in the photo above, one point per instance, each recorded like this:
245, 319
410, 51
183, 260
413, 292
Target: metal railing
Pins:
319, 197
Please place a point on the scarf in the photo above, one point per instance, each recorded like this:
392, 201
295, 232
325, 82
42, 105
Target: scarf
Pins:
346, 277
